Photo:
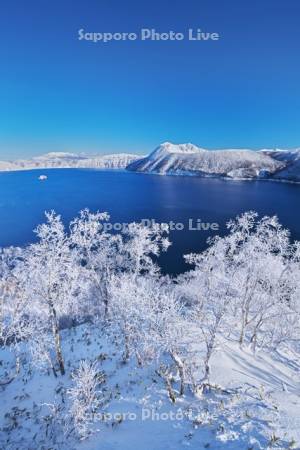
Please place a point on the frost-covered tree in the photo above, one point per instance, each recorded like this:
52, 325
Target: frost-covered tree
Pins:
98, 251
52, 280
14, 324
210, 292
245, 286
129, 288
149, 317
12, 305
85, 398
258, 250
169, 329
105, 254
143, 243
129, 311
250, 271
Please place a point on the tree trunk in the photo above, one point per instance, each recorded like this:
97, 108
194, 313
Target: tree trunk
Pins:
139, 358
56, 335
180, 367
105, 299
170, 390
163, 373
105, 307
253, 339
209, 352
242, 335
245, 310
245, 315
206, 370
126, 353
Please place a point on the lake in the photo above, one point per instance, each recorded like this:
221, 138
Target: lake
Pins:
129, 196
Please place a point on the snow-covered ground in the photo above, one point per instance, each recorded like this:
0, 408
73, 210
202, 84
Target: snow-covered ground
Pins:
256, 404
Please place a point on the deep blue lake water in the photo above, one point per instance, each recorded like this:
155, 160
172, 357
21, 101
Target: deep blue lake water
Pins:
131, 197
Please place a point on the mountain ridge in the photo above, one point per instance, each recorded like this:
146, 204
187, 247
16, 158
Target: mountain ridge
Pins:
179, 159
71, 160
190, 160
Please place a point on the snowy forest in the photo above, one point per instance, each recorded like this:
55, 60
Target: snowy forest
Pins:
92, 331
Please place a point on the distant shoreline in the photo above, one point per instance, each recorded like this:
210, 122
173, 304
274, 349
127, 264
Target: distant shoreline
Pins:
117, 169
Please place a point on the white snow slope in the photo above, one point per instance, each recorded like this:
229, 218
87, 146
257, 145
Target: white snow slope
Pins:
71, 160
187, 159
291, 160
256, 407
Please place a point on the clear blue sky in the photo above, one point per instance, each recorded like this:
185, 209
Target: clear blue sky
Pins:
61, 94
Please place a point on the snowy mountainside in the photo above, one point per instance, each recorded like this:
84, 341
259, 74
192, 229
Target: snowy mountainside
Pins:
7, 165
187, 159
99, 350
257, 405
179, 159
71, 160
291, 161
114, 161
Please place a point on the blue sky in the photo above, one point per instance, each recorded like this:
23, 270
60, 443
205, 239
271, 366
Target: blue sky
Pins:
61, 94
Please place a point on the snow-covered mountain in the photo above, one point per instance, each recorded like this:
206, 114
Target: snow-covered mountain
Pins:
291, 161
187, 159
71, 160
181, 159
